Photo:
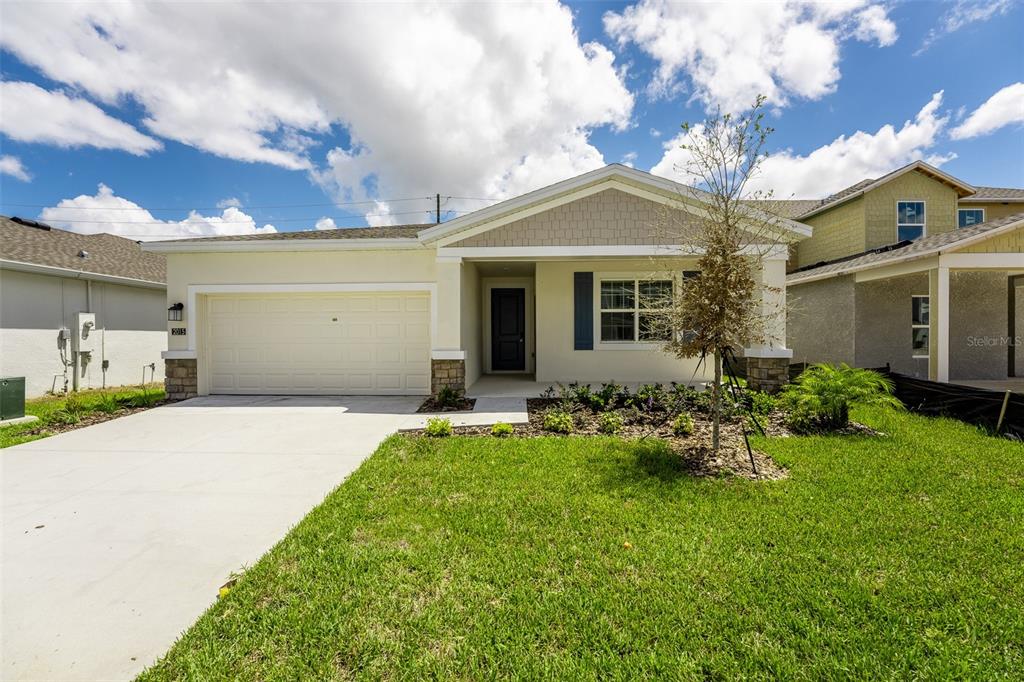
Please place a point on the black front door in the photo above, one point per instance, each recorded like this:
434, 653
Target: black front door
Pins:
508, 329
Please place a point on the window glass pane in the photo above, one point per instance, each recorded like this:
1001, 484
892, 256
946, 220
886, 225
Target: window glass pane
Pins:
617, 327
905, 233
970, 217
919, 313
920, 340
654, 327
617, 294
910, 212
656, 294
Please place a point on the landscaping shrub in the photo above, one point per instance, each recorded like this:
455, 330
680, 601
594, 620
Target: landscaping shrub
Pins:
610, 423
75, 405
558, 421
62, 416
502, 430
762, 403
107, 403
439, 427
682, 425
820, 398
449, 398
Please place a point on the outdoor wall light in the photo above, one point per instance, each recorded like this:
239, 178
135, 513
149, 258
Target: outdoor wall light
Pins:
174, 312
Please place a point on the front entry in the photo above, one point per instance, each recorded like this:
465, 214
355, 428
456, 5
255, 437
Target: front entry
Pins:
508, 330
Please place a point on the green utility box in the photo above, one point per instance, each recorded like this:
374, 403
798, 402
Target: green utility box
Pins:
12, 397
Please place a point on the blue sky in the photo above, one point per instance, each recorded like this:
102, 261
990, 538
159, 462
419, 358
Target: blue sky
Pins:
477, 103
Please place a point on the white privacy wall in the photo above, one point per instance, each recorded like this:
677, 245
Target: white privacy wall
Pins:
131, 322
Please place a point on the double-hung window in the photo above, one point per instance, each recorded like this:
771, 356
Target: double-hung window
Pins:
965, 217
633, 310
909, 220
919, 321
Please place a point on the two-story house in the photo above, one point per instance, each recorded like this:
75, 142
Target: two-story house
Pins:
918, 270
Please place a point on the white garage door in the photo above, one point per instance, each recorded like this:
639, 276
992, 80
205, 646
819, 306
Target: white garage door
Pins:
365, 343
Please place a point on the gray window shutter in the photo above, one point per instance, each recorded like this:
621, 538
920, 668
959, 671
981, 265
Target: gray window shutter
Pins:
583, 298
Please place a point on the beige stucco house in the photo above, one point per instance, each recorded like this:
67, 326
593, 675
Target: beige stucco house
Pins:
917, 270
549, 285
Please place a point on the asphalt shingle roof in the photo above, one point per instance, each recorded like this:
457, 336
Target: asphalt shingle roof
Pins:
107, 254
935, 242
386, 232
996, 194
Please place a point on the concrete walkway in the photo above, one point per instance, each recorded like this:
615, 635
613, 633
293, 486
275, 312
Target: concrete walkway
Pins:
116, 537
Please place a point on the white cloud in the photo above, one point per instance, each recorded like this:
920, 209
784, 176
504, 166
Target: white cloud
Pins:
963, 13
107, 212
655, 132
733, 51
839, 164
11, 165
326, 224
1004, 108
473, 99
629, 159
32, 114
229, 202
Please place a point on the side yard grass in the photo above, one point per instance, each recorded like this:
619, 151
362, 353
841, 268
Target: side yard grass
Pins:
885, 557
60, 413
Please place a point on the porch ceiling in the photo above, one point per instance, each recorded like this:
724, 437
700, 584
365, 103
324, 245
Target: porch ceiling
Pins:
505, 268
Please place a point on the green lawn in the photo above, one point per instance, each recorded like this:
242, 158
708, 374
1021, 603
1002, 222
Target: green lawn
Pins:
59, 411
879, 558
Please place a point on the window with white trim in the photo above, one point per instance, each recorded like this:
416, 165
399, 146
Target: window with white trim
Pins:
909, 220
965, 217
919, 325
632, 310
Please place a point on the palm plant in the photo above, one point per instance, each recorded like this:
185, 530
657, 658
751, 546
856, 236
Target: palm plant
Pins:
821, 397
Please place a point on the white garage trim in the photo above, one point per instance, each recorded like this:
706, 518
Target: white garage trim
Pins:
195, 290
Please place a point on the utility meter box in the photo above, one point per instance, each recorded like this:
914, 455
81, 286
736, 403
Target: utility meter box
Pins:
12, 397
84, 336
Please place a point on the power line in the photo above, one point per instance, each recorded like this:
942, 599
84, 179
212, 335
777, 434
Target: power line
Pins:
426, 212
213, 208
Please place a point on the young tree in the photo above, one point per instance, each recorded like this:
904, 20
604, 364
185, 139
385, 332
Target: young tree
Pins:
724, 308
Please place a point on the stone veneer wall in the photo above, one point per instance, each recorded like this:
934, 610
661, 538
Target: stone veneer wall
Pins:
767, 374
447, 373
181, 379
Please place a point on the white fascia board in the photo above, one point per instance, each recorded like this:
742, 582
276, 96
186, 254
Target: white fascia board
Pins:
991, 200
1000, 261
455, 253
179, 354
79, 274
284, 245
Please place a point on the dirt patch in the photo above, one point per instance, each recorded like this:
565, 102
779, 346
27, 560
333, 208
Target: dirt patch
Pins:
431, 405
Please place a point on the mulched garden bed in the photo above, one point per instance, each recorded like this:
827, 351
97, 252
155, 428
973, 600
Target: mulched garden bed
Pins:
431, 405
693, 451
53, 428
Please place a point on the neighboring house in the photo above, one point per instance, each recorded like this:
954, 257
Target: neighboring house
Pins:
53, 283
918, 270
550, 284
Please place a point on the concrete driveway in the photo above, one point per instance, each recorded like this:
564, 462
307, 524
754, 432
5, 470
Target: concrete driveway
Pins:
116, 537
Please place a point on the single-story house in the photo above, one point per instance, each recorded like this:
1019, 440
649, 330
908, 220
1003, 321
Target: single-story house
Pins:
917, 270
78, 310
550, 284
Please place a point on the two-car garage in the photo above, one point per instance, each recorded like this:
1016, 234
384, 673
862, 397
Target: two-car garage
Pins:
373, 342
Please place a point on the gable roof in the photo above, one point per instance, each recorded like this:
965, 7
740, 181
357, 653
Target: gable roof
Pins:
864, 186
23, 246
904, 251
660, 189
